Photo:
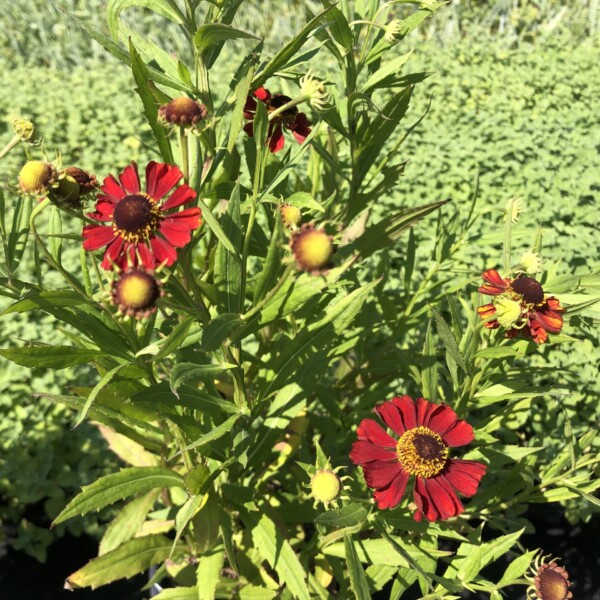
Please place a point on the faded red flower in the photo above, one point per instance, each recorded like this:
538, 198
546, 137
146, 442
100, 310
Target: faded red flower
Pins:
290, 118
142, 227
425, 433
520, 306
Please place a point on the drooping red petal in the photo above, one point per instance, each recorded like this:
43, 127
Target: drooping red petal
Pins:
379, 474
459, 434
96, 236
276, 141
422, 501
390, 415
443, 496
130, 180
441, 419
300, 127
163, 251
249, 108
464, 475
495, 284
114, 254
148, 260
112, 189
262, 94
391, 496
184, 193
372, 431
406, 405
363, 452
166, 179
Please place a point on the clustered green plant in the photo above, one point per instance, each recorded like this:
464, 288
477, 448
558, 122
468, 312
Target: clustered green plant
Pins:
252, 326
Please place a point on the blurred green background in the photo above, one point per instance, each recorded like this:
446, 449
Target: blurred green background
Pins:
512, 98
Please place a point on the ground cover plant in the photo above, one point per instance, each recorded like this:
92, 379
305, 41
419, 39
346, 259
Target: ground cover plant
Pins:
271, 314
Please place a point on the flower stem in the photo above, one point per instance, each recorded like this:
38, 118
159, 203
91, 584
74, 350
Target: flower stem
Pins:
288, 105
185, 158
9, 146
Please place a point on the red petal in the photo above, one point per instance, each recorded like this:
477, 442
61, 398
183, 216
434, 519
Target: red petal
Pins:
114, 254
154, 171
96, 236
112, 189
464, 475
191, 217
554, 304
184, 193
277, 141
460, 434
423, 407
392, 495
262, 94
441, 419
487, 310
249, 107
364, 452
551, 321
379, 474
390, 415
146, 257
163, 180
163, 251
104, 211
176, 236
442, 495
371, 431
423, 502
249, 129
130, 180
406, 405
496, 286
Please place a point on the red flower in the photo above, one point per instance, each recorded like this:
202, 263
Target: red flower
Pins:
520, 307
141, 226
290, 118
426, 431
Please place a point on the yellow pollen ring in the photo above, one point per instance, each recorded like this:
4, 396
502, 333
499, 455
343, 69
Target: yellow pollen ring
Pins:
422, 452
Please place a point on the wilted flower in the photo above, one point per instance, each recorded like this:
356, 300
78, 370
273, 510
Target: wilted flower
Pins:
314, 91
135, 292
141, 227
394, 31
520, 306
312, 248
291, 216
37, 176
425, 433
548, 580
290, 118
182, 111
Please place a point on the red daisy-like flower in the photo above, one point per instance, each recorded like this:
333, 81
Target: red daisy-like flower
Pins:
425, 433
520, 306
290, 118
142, 227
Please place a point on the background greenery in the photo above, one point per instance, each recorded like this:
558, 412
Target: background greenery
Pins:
511, 100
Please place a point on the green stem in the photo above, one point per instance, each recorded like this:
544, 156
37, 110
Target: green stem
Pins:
9, 146
288, 105
185, 156
258, 307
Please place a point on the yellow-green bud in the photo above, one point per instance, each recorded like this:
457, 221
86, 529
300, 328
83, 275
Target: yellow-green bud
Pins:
325, 486
291, 216
36, 177
508, 312
531, 262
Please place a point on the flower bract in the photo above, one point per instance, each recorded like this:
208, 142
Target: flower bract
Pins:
520, 306
142, 227
291, 118
426, 432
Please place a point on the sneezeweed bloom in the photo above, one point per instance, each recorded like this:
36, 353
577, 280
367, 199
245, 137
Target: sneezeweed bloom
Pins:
36, 177
291, 118
183, 112
426, 431
520, 306
291, 216
548, 580
141, 227
312, 248
135, 292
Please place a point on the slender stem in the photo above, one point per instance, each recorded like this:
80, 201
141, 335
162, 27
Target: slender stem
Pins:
258, 307
9, 146
288, 105
185, 156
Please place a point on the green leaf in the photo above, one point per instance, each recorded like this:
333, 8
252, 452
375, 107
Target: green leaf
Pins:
304, 200
358, 580
218, 330
45, 300
209, 571
19, 232
175, 339
216, 228
242, 82
338, 26
53, 357
218, 432
141, 76
497, 352
517, 568
116, 486
179, 593
164, 8
185, 514
276, 550
55, 233
279, 61
388, 75
213, 33
348, 516
127, 560
183, 372
272, 265
449, 340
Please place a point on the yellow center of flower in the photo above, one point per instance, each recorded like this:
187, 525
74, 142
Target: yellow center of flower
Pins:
422, 452
36, 176
325, 486
136, 217
552, 585
508, 312
137, 290
291, 215
313, 249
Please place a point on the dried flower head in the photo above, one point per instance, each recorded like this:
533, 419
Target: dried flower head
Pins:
87, 181
182, 111
531, 262
394, 31
312, 248
314, 90
548, 580
291, 216
135, 292
36, 177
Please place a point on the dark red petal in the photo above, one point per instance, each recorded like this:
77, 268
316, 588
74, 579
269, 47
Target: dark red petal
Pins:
96, 236
301, 133
163, 251
364, 452
443, 496
154, 171
112, 189
249, 108
424, 506
262, 94
277, 141
406, 405
464, 475
423, 407
372, 431
184, 193
391, 496
249, 129
379, 474
390, 415
105, 198
459, 434
130, 180
441, 419
191, 217
113, 254
166, 180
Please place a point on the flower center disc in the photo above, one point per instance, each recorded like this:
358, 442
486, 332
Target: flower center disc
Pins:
552, 585
422, 452
137, 290
136, 217
530, 289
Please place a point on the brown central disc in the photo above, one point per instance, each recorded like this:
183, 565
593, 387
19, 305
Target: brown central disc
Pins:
428, 447
530, 289
553, 585
133, 213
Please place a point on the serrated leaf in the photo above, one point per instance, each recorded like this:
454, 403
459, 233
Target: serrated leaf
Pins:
348, 516
213, 33
53, 357
358, 580
183, 372
218, 432
447, 337
116, 486
127, 560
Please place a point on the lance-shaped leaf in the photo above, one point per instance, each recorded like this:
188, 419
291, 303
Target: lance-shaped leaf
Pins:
53, 357
116, 486
164, 8
179, 593
183, 372
127, 560
358, 579
45, 300
213, 33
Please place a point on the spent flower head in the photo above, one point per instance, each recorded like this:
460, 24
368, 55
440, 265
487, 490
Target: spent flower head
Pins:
313, 249
548, 580
25, 130
394, 31
314, 90
182, 112
530, 262
36, 177
135, 291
